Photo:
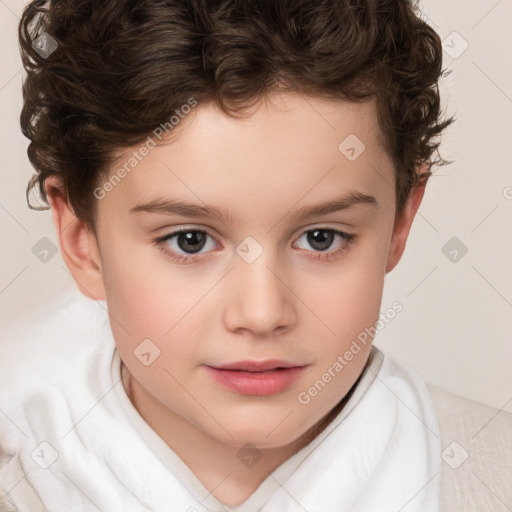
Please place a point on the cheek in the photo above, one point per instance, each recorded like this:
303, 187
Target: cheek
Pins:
348, 299
348, 308
151, 304
145, 290
151, 312
148, 298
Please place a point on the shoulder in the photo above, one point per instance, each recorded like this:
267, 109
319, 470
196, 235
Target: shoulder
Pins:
48, 339
476, 442
49, 374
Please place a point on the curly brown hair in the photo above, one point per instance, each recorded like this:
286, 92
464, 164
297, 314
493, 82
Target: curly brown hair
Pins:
123, 67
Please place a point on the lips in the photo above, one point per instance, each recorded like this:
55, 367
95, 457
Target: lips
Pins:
258, 378
257, 366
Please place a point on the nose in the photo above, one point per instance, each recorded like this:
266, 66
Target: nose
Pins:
260, 300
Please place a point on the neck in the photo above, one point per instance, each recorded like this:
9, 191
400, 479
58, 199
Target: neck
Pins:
215, 463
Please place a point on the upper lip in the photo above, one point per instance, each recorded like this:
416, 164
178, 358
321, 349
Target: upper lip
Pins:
257, 366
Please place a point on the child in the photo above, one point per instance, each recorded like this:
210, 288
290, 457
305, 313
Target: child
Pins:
238, 375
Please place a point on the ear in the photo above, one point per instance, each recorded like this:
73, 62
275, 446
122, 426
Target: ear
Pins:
403, 224
78, 244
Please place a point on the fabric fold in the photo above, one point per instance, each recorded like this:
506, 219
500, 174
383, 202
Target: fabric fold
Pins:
70, 439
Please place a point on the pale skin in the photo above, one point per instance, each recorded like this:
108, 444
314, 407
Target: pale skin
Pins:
218, 308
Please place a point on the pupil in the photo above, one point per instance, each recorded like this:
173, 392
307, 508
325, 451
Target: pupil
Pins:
320, 239
192, 240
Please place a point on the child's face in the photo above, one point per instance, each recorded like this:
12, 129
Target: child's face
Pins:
258, 287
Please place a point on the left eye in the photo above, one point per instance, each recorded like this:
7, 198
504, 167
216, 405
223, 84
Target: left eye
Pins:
322, 239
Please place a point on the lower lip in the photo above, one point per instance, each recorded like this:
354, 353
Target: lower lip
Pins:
257, 383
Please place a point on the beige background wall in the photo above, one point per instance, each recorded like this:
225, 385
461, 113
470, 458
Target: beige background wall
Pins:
455, 328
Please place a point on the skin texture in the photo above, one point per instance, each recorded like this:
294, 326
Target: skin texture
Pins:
216, 309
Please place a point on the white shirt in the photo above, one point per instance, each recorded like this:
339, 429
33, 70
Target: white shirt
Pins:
70, 438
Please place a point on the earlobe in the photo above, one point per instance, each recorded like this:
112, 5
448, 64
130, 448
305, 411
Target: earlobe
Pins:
78, 244
403, 225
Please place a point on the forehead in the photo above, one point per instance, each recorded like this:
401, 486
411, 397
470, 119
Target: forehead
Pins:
291, 147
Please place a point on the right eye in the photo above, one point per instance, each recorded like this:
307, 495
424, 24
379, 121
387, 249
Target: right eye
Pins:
190, 241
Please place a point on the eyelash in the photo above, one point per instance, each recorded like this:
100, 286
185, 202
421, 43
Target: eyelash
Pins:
349, 239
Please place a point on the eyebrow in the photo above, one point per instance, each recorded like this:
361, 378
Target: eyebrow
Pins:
166, 206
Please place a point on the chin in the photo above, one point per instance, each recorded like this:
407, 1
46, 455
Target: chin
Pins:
264, 435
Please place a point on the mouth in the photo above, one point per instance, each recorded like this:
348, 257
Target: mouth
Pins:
258, 378
258, 366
